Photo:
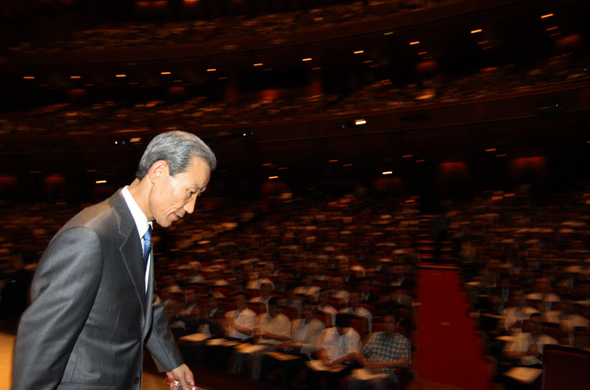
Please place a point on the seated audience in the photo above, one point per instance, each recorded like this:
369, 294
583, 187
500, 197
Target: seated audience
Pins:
325, 307
306, 335
338, 291
308, 288
340, 347
264, 297
382, 354
527, 350
542, 295
357, 309
273, 328
517, 315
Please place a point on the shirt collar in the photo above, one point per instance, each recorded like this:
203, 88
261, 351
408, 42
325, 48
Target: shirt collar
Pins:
138, 216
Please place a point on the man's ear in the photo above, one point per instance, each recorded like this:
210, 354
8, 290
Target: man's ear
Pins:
158, 170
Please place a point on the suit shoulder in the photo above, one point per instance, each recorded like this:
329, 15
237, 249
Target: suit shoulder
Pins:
98, 217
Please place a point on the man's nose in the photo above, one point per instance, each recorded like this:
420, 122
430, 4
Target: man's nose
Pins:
189, 207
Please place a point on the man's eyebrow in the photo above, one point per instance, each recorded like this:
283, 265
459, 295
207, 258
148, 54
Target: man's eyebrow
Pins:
198, 187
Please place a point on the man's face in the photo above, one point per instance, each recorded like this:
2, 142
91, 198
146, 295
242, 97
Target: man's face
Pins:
265, 291
355, 300
389, 324
365, 287
172, 197
241, 302
273, 311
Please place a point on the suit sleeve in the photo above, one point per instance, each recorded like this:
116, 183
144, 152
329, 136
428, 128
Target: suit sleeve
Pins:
62, 292
160, 341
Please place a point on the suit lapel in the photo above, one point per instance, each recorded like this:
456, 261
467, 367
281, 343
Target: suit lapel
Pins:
149, 300
131, 251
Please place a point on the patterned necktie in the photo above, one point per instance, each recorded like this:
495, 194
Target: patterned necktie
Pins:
147, 245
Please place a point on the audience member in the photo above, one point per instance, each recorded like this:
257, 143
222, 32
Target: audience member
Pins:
324, 306
306, 335
382, 354
273, 328
340, 347
527, 350
357, 309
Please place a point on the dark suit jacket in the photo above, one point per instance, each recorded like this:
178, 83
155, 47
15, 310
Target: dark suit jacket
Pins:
90, 314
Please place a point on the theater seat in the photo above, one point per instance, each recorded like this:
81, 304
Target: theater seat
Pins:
565, 368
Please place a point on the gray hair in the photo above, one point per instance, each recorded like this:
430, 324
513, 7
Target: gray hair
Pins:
177, 148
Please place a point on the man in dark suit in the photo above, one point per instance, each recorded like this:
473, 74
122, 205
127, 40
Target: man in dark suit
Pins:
92, 305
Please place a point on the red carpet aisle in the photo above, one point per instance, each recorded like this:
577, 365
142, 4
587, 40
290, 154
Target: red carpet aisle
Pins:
449, 351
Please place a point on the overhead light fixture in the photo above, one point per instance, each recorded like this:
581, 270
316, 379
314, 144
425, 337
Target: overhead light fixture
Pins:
121, 75
212, 70
165, 73
273, 177
476, 31
306, 59
75, 77
491, 150
359, 52
258, 64
546, 16
360, 122
552, 28
414, 43
387, 173
29, 77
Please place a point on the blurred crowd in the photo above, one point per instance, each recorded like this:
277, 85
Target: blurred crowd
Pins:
229, 23
110, 116
524, 260
526, 268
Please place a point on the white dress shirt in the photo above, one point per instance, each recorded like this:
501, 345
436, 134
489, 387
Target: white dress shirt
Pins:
245, 318
142, 225
337, 346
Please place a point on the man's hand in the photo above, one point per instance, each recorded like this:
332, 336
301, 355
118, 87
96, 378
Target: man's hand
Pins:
374, 367
182, 374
